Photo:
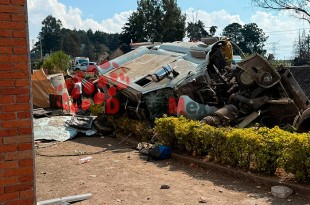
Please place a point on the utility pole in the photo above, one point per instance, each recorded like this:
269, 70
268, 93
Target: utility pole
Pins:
274, 48
308, 54
41, 46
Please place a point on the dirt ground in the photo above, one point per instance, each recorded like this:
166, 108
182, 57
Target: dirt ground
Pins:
119, 175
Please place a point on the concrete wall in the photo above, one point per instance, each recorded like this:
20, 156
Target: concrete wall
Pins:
16, 135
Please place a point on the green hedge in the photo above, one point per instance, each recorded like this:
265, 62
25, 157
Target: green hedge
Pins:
258, 149
261, 150
142, 131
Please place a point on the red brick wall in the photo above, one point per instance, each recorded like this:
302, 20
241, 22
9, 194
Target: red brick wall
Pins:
16, 135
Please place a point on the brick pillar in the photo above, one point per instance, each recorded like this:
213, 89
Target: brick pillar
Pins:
16, 135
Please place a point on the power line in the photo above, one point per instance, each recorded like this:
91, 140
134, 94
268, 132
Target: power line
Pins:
287, 30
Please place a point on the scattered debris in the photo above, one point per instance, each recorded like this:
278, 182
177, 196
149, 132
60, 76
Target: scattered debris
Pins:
40, 112
58, 128
85, 160
67, 199
203, 200
203, 82
281, 191
165, 186
53, 128
81, 122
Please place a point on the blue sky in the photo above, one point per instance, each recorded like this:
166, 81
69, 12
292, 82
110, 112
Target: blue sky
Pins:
103, 9
110, 16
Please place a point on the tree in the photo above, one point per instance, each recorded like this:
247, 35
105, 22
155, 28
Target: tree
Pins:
302, 50
154, 21
300, 8
173, 21
212, 30
50, 35
57, 62
196, 30
233, 31
250, 38
151, 16
73, 42
253, 39
133, 29
70, 43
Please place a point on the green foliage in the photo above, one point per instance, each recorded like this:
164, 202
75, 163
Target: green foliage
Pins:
261, 150
154, 21
249, 37
197, 30
233, 31
173, 21
96, 110
36, 64
57, 62
72, 42
302, 50
50, 35
141, 130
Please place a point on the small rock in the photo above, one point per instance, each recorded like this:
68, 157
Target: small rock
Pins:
258, 187
43, 172
148, 198
94, 176
122, 189
221, 191
289, 200
203, 200
165, 186
119, 200
281, 191
128, 157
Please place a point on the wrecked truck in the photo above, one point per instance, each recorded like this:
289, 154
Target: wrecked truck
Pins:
203, 82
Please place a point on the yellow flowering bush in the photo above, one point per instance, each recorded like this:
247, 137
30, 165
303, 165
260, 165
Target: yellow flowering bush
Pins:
258, 149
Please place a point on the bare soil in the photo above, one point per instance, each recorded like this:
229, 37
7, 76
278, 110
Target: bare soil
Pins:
117, 174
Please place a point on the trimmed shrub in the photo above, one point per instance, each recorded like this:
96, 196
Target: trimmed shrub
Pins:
142, 131
258, 149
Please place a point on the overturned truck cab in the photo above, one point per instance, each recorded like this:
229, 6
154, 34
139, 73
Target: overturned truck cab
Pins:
202, 82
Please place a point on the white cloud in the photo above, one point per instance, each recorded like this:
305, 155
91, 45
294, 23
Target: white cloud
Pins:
70, 17
282, 30
216, 18
281, 27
